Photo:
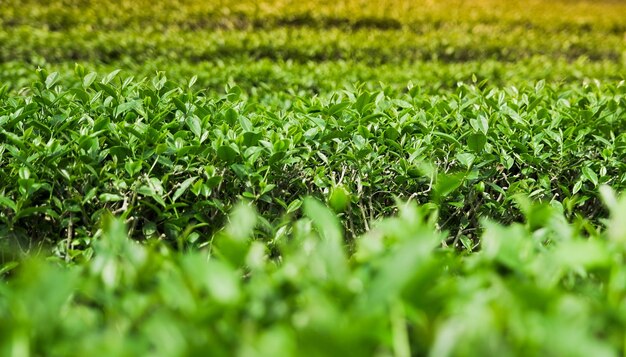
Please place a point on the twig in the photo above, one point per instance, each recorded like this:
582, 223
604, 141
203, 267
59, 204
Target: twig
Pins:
371, 207
132, 205
362, 209
123, 207
70, 234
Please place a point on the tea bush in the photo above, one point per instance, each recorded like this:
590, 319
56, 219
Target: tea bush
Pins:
173, 160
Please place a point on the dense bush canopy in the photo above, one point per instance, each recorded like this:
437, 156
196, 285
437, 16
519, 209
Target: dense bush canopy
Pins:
312, 178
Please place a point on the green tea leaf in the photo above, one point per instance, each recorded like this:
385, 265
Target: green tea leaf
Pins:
183, 187
476, 142
590, 175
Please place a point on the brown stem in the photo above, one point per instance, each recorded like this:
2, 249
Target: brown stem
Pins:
70, 234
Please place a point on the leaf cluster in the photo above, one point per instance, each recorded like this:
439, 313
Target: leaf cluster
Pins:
529, 291
173, 160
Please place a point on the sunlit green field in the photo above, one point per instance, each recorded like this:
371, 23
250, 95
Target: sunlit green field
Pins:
277, 178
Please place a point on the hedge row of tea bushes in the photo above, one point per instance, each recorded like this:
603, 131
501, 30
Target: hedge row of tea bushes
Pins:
113, 15
376, 33
173, 160
453, 44
271, 78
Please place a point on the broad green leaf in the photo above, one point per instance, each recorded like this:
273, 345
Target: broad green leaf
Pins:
179, 105
466, 159
110, 197
7, 202
339, 198
246, 124
590, 175
132, 167
52, 79
227, 154
446, 183
153, 188
194, 124
480, 124
231, 116
392, 133
183, 187
127, 106
476, 142
110, 76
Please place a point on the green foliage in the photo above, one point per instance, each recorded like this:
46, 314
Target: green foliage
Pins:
544, 290
317, 45
172, 160
275, 177
374, 32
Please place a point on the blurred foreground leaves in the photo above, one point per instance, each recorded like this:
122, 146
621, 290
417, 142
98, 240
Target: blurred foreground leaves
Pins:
541, 289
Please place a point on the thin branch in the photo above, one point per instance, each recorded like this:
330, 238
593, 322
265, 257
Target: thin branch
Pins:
70, 235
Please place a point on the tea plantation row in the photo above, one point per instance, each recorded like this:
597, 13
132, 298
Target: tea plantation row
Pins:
270, 78
173, 160
114, 15
120, 31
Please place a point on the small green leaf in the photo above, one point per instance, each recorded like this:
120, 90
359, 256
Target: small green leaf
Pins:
183, 187
268, 188
89, 79
391, 133
480, 124
194, 124
109, 77
192, 81
110, 197
79, 70
153, 188
231, 116
226, 153
466, 159
179, 105
446, 184
337, 108
132, 167
577, 186
246, 124
590, 175
127, 106
7, 202
339, 198
476, 142
52, 79
24, 173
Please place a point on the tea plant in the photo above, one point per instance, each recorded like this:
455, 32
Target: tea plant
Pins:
173, 160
